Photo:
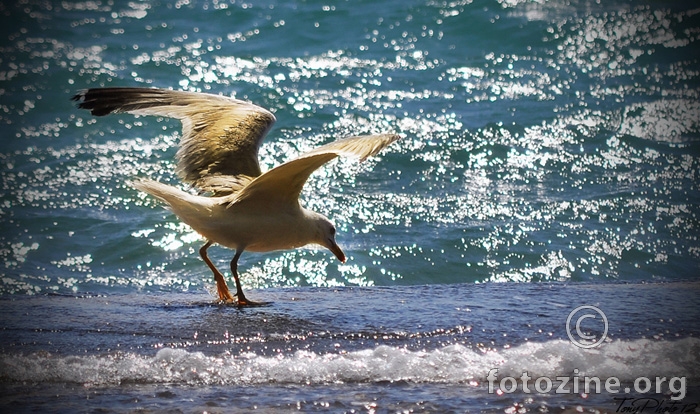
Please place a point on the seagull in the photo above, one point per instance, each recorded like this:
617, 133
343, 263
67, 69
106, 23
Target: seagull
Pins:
237, 206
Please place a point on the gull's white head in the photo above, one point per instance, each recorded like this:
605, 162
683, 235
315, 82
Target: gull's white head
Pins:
325, 236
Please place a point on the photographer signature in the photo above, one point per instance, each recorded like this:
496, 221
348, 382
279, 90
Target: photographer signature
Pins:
649, 404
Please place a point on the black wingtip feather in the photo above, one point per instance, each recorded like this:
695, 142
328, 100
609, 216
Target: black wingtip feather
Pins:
89, 104
104, 101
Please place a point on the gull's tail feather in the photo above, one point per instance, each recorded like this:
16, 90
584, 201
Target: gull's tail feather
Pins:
184, 205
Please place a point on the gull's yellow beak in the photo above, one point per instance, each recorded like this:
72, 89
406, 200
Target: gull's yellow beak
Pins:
333, 247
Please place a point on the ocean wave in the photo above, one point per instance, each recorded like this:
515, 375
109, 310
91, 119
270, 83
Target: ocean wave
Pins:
453, 364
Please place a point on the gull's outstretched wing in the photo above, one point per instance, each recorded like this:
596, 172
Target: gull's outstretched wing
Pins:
283, 183
220, 135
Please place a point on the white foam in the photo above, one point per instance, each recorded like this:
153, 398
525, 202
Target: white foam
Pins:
625, 360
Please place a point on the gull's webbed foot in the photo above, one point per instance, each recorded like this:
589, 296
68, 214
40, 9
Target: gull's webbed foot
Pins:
245, 302
225, 295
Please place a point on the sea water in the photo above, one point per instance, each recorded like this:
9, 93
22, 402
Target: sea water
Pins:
548, 160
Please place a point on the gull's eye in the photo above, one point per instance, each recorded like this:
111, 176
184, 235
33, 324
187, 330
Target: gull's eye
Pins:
332, 231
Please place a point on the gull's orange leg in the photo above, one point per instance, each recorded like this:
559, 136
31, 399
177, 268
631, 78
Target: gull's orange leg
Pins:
242, 301
221, 287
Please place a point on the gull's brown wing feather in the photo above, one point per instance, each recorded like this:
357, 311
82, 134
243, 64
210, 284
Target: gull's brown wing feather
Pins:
220, 135
283, 183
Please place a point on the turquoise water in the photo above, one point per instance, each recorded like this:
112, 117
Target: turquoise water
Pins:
546, 145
